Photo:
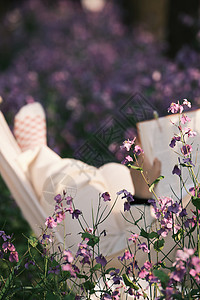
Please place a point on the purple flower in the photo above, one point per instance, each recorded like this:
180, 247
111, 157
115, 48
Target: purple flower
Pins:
46, 238
54, 270
106, 196
176, 170
126, 206
76, 213
50, 222
31, 262
101, 260
58, 198
115, 277
183, 213
174, 140
4, 236
186, 149
188, 161
69, 200
143, 247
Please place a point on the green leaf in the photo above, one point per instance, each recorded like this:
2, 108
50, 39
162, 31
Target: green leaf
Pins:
130, 283
82, 276
158, 245
88, 285
196, 202
164, 278
33, 241
93, 240
135, 167
147, 235
144, 233
151, 187
95, 268
109, 270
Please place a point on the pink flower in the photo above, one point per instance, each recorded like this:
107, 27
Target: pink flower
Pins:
68, 257
134, 237
187, 103
128, 158
106, 196
60, 216
138, 150
50, 222
175, 108
13, 256
127, 144
185, 119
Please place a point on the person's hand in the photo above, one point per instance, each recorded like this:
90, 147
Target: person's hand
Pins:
150, 171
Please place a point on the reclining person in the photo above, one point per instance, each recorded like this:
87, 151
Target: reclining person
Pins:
50, 175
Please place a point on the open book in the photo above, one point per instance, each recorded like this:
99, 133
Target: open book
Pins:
155, 136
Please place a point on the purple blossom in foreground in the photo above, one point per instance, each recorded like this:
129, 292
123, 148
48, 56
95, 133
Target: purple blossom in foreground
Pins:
144, 247
76, 213
174, 140
4, 236
106, 196
69, 200
176, 170
58, 198
186, 149
113, 296
101, 260
54, 270
27, 264
129, 199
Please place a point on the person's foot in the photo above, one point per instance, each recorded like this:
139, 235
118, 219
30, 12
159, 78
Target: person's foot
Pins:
30, 126
151, 172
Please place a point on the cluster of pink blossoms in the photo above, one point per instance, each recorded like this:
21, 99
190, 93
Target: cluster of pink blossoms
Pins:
7, 246
60, 211
127, 145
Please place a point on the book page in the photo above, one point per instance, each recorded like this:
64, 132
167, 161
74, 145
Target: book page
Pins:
155, 136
